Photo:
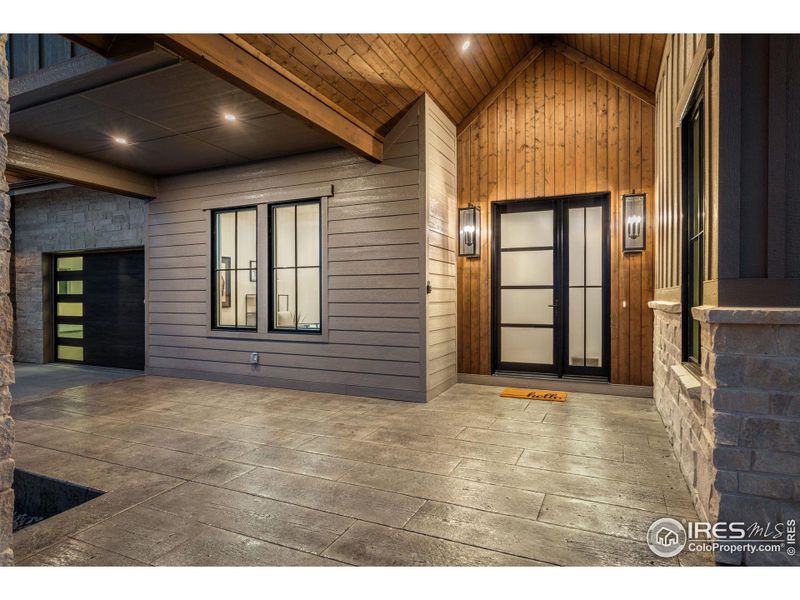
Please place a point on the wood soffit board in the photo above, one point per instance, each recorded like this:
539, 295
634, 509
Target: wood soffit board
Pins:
368, 81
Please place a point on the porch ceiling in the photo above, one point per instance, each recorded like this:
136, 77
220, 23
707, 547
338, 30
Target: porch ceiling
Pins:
173, 120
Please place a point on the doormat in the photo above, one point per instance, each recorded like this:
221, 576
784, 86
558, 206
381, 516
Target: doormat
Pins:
534, 394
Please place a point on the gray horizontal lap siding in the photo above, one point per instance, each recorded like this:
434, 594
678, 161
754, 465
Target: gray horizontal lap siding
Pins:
374, 269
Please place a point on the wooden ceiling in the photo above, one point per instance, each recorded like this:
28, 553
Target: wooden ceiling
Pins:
636, 56
376, 77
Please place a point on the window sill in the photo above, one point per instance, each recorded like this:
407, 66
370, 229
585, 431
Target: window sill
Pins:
688, 379
268, 336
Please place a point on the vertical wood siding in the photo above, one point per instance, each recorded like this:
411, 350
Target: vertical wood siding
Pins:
675, 78
374, 272
560, 129
441, 246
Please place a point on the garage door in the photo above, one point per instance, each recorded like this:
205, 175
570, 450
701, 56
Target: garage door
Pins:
99, 309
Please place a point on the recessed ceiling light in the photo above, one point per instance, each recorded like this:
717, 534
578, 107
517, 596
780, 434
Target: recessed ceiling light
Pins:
465, 45
121, 141
229, 117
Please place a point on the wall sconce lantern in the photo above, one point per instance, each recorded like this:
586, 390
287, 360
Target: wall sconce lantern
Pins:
469, 231
633, 220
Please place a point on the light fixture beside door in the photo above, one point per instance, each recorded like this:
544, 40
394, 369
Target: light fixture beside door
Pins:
633, 222
469, 231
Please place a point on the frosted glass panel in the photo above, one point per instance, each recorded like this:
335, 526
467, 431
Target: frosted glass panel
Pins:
526, 229
594, 327
526, 345
594, 245
576, 246
576, 322
527, 267
526, 307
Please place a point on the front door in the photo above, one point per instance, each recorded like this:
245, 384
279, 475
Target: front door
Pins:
551, 286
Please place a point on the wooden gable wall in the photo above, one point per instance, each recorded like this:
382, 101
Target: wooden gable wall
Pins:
560, 129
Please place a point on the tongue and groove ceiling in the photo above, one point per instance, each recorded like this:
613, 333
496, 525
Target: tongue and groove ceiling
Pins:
376, 77
367, 80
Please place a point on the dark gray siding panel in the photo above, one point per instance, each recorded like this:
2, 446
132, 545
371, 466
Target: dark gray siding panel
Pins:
374, 269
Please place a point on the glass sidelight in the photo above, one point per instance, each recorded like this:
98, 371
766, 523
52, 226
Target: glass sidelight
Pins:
550, 280
69, 308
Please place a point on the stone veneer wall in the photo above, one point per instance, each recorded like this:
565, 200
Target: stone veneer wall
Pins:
751, 377
686, 412
63, 220
6, 325
736, 429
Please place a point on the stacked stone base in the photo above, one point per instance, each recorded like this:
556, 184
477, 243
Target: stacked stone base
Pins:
735, 424
6, 330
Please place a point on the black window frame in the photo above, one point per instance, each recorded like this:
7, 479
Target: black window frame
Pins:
235, 271
693, 228
271, 267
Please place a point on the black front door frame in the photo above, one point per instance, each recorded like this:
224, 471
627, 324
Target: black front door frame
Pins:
559, 205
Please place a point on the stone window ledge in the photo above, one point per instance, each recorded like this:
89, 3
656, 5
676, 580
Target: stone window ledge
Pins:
689, 382
746, 315
664, 306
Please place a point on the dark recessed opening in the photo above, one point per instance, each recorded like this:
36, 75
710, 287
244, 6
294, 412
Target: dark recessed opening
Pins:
38, 497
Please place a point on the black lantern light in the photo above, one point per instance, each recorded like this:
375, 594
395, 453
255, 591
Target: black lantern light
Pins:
469, 231
633, 221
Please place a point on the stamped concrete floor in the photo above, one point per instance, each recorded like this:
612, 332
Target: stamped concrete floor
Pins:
201, 473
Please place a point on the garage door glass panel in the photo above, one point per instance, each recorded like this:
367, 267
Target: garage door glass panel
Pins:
69, 263
72, 287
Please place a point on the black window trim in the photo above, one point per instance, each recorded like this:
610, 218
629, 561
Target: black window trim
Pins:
271, 267
696, 105
214, 271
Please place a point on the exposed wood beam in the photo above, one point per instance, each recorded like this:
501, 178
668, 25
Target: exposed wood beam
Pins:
29, 158
504, 83
236, 61
598, 68
111, 45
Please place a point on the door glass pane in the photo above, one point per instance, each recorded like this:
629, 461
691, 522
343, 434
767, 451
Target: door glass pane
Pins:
530, 345
594, 327
285, 299
69, 263
576, 327
283, 232
526, 229
594, 245
526, 307
69, 353
577, 246
70, 287
527, 267
308, 235
70, 330
69, 309
308, 298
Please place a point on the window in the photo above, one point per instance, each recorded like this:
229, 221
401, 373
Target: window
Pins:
295, 300
234, 238
694, 238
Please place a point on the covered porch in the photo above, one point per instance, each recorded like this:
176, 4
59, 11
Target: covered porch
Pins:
201, 473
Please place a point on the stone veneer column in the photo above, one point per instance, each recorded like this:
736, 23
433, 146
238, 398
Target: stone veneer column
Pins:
6, 330
751, 378
686, 412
